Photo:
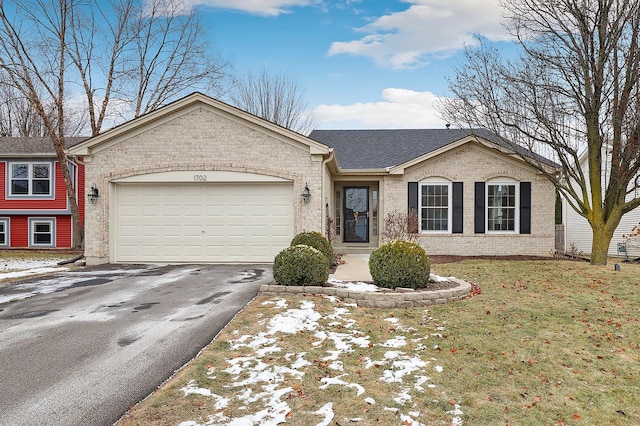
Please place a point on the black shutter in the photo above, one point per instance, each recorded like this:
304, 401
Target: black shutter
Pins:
412, 210
478, 219
457, 208
525, 207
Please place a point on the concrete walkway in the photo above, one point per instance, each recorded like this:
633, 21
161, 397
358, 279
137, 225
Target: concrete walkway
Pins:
354, 267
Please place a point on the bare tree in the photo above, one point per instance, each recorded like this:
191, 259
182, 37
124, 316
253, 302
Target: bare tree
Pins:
19, 119
574, 88
122, 57
276, 97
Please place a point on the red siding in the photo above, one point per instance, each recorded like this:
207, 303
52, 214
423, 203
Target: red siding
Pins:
59, 203
3, 178
19, 224
63, 231
19, 231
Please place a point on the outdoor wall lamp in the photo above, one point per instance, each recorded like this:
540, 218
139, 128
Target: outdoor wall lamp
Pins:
306, 194
93, 194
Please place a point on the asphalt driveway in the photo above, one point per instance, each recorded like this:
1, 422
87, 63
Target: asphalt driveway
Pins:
85, 346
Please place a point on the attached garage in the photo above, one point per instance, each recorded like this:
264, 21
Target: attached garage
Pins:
199, 181
201, 222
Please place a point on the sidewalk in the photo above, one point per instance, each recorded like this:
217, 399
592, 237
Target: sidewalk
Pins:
355, 267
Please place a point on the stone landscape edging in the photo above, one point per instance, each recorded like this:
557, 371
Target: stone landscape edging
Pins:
398, 298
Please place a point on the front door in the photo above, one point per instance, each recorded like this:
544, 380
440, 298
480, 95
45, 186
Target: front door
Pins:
356, 214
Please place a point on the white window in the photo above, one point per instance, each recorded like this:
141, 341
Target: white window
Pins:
42, 232
502, 206
4, 232
435, 206
30, 179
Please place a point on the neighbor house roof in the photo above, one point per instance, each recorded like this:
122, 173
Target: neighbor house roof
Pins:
386, 148
31, 146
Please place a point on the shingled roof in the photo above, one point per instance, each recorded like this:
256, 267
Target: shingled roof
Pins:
28, 146
382, 148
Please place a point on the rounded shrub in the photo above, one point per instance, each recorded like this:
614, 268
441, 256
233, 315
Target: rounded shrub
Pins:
400, 263
315, 240
300, 265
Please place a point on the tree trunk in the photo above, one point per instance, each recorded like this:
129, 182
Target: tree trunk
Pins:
600, 244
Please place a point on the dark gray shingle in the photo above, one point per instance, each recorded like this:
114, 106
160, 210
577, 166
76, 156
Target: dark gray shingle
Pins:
381, 148
29, 146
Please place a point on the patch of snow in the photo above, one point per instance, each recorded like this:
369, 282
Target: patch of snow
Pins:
396, 342
258, 381
456, 410
403, 397
354, 285
409, 421
421, 380
337, 381
31, 271
31, 263
325, 411
438, 278
14, 297
280, 303
337, 365
295, 320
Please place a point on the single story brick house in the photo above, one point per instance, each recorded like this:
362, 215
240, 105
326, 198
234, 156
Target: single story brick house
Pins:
201, 181
34, 207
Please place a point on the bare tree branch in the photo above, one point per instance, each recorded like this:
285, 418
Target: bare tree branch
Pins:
574, 88
105, 53
278, 98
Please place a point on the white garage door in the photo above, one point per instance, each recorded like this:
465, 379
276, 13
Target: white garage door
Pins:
202, 222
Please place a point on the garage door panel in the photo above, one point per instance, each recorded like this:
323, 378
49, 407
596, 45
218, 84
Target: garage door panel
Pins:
248, 222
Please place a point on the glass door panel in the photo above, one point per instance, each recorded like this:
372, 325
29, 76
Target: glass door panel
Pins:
356, 214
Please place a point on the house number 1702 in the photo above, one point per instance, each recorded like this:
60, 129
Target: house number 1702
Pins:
200, 178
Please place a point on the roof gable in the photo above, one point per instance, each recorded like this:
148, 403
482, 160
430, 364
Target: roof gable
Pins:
190, 103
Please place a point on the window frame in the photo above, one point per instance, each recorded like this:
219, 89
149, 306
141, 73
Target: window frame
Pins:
31, 179
33, 222
6, 222
516, 207
436, 182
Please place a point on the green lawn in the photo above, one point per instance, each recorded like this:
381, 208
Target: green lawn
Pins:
545, 343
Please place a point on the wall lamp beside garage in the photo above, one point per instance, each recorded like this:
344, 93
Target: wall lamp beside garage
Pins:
306, 194
93, 194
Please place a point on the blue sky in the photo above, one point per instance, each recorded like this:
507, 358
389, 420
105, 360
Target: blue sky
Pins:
363, 63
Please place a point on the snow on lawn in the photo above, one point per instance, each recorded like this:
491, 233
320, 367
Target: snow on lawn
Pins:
264, 384
16, 267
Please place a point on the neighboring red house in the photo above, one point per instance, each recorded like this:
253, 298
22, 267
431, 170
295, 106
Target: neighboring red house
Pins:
34, 207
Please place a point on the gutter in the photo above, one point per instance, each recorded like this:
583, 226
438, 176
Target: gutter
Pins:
326, 198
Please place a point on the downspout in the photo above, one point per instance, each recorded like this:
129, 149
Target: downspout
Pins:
325, 196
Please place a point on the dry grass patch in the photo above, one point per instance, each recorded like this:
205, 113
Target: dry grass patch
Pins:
545, 343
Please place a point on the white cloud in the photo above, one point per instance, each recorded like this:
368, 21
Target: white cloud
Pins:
260, 7
400, 109
428, 27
